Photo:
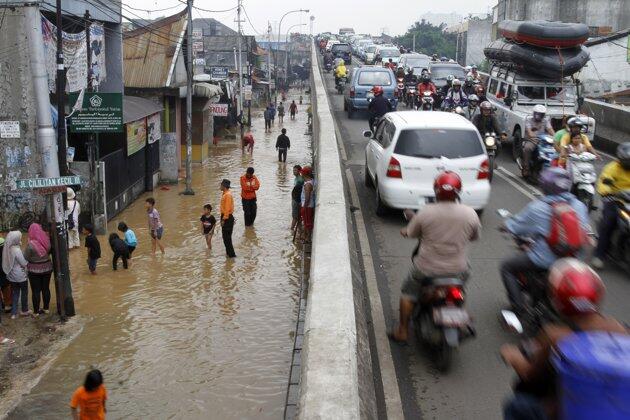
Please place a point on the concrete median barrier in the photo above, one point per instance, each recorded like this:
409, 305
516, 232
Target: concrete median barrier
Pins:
329, 386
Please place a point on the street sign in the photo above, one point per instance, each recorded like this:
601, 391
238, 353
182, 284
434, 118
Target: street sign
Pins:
219, 110
9, 129
100, 113
247, 92
54, 183
219, 73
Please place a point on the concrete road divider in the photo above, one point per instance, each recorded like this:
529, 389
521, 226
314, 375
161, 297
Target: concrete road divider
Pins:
329, 387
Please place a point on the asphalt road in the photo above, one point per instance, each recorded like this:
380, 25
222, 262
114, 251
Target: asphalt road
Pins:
478, 381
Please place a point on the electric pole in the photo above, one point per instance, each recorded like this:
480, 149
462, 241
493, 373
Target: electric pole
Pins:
269, 59
47, 144
189, 87
240, 67
91, 141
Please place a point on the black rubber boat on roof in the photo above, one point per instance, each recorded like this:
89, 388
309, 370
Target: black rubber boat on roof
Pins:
541, 33
550, 63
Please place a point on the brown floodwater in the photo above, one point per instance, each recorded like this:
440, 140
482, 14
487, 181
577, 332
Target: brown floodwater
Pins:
191, 334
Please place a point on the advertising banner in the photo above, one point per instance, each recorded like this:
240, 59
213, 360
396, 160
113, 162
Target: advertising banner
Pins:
136, 136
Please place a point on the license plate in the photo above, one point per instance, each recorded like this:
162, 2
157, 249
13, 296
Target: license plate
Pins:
369, 95
429, 200
450, 316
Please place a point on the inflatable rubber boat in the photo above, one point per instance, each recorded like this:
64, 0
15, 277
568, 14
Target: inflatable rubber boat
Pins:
545, 62
541, 33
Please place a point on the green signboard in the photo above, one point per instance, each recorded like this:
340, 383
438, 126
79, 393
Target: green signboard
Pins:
35, 183
100, 113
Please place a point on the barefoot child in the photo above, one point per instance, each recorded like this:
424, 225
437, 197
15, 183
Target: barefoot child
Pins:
93, 246
208, 223
120, 250
130, 237
155, 225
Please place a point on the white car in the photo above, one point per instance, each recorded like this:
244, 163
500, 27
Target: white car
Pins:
409, 149
330, 43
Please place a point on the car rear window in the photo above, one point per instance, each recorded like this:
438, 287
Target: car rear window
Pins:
390, 53
436, 143
371, 49
416, 62
373, 78
341, 47
443, 72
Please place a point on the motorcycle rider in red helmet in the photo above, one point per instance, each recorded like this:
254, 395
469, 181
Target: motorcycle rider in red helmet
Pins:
378, 106
446, 227
576, 292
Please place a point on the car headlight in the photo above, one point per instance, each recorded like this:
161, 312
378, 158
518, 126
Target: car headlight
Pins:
490, 141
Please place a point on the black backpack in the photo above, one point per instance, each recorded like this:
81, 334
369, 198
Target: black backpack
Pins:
70, 219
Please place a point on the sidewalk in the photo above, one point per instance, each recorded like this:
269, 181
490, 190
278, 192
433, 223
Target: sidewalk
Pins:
191, 333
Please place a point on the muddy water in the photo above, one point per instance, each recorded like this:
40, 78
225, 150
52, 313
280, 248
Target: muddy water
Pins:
190, 334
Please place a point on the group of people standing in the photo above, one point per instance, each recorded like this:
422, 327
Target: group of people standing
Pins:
270, 112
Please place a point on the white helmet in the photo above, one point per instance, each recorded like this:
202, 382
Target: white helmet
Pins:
457, 82
473, 97
540, 109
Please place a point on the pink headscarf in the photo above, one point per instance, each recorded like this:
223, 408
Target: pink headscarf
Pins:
38, 239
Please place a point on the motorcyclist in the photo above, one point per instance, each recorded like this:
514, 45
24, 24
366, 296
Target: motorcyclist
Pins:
328, 58
474, 73
472, 109
536, 124
576, 125
480, 91
534, 223
469, 86
446, 227
391, 65
379, 106
435, 57
485, 121
426, 84
400, 72
576, 293
449, 83
455, 96
614, 179
340, 71
410, 77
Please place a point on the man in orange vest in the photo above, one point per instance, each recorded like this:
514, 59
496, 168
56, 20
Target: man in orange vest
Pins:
249, 186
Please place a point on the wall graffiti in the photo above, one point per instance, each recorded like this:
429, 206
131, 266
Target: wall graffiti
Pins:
14, 207
17, 156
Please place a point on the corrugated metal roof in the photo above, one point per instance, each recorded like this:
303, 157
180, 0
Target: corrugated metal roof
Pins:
149, 53
135, 108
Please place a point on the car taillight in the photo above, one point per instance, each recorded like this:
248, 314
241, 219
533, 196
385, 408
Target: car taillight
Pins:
352, 92
484, 170
393, 169
454, 294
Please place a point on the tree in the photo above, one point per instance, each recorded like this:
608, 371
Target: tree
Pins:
430, 39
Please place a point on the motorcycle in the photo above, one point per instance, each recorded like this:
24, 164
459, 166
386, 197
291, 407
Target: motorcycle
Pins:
426, 102
543, 157
410, 95
620, 242
400, 88
440, 319
584, 177
340, 84
538, 310
490, 141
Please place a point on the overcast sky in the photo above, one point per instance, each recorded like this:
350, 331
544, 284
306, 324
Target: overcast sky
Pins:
365, 16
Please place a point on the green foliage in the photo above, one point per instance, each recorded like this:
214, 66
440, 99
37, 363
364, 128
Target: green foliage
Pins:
430, 39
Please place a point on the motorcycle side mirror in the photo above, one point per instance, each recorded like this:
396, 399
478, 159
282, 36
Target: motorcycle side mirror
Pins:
367, 134
510, 322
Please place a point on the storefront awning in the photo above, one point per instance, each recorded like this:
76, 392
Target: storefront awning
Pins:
135, 108
202, 90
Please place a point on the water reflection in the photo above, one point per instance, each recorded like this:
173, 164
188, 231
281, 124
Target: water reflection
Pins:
191, 334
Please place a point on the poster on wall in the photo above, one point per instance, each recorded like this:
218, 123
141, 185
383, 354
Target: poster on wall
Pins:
136, 136
153, 128
75, 56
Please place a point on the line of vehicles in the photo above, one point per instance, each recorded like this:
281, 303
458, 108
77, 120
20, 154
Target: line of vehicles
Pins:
406, 150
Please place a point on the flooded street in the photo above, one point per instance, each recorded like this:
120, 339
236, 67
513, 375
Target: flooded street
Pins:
191, 334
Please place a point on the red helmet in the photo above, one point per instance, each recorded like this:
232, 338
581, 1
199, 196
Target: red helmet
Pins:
377, 90
574, 288
447, 186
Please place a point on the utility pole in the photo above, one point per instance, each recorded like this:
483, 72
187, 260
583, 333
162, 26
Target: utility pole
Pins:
189, 87
413, 47
240, 66
46, 145
61, 98
269, 59
249, 102
91, 141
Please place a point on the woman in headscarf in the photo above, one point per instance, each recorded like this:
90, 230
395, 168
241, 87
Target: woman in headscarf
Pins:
37, 253
14, 266
72, 219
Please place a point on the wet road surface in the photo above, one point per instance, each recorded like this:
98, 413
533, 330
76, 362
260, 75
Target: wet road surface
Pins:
191, 334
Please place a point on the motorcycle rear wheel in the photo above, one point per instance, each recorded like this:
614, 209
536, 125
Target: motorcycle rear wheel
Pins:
443, 357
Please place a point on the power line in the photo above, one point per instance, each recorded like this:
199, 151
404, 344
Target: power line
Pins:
151, 11
210, 11
250, 22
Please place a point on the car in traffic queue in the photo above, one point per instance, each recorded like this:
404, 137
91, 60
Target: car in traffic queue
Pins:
330, 43
440, 70
415, 61
514, 95
409, 148
369, 53
385, 53
358, 92
342, 50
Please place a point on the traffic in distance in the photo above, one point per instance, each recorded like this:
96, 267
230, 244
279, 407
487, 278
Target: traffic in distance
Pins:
433, 137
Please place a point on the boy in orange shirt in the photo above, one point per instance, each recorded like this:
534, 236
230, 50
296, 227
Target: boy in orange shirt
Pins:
90, 398
249, 185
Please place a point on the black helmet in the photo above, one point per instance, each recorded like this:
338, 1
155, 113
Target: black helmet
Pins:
576, 122
426, 77
410, 70
623, 154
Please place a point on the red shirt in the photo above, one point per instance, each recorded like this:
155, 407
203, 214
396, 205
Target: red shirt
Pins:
423, 87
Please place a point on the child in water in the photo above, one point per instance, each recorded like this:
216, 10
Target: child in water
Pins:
119, 247
208, 222
90, 398
130, 237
